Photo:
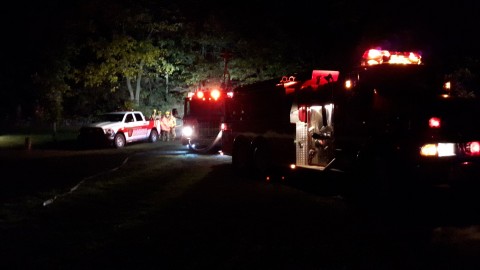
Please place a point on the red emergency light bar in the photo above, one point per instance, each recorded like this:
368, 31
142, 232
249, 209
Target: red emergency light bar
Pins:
214, 94
378, 56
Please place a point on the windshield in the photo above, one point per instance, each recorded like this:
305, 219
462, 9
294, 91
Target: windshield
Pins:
109, 117
205, 108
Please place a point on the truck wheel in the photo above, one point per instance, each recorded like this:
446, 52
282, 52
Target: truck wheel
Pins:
119, 141
153, 136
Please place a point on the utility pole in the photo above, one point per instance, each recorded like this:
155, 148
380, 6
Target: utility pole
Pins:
226, 56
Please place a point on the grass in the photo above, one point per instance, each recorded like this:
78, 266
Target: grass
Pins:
22, 140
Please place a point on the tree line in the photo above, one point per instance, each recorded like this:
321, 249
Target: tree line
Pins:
97, 56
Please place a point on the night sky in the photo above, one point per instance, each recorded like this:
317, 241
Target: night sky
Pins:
336, 25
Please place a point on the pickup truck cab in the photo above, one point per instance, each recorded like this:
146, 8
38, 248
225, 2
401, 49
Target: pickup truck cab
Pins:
118, 128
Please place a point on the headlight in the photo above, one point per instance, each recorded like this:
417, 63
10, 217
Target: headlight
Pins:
187, 131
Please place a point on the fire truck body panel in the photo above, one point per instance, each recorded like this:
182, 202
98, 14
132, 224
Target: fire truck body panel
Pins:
257, 132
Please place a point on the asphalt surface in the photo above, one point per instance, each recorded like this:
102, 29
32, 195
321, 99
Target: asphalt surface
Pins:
156, 206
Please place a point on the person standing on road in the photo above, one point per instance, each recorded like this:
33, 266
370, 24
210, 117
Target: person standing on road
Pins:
165, 126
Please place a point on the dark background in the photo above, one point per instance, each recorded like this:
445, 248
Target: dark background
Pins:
334, 32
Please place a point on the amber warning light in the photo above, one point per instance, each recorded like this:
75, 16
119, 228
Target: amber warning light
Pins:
378, 56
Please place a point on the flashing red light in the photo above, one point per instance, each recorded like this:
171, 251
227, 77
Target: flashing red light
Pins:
434, 122
200, 94
378, 56
473, 148
215, 94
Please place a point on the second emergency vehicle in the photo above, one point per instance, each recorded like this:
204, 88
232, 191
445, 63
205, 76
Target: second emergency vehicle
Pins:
204, 111
391, 124
117, 129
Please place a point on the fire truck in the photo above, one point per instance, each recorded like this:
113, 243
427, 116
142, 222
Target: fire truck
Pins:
390, 124
256, 131
204, 111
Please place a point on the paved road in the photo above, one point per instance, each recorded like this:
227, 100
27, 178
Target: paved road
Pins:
159, 207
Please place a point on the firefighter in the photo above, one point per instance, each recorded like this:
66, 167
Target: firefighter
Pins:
165, 126
154, 114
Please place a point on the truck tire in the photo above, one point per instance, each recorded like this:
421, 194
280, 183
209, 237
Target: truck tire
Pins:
153, 136
119, 141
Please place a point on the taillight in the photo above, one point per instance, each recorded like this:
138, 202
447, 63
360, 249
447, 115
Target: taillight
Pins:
434, 122
223, 127
472, 148
438, 150
200, 94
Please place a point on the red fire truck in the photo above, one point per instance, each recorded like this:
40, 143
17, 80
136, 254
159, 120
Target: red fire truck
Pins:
390, 124
204, 111
258, 131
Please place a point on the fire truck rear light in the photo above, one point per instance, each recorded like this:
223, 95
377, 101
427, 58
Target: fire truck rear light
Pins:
200, 94
428, 150
434, 122
438, 150
446, 149
473, 148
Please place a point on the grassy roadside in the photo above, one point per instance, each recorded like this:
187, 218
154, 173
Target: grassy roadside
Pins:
26, 140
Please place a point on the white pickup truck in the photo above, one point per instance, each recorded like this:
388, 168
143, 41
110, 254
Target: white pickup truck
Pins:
117, 129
